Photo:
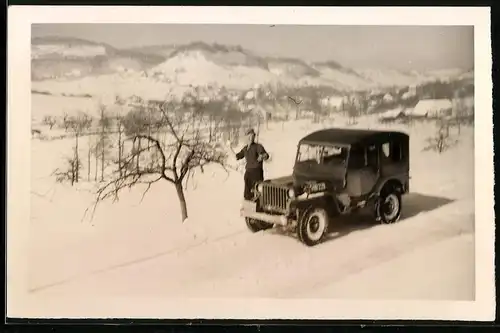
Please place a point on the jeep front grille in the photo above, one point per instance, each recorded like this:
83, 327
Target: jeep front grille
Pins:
274, 198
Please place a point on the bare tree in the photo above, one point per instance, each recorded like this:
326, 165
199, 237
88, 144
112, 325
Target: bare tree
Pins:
66, 122
186, 150
296, 103
135, 125
70, 174
442, 140
89, 156
352, 111
459, 110
49, 121
103, 141
77, 125
119, 126
314, 104
87, 121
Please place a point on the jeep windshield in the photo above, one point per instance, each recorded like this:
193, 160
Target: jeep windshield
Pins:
321, 154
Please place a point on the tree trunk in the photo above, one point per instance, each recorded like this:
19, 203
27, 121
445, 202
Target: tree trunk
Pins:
96, 160
77, 159
182, 200
102, 143
138, 153
149, 129
89, 156
72, 173
120, 150
210, 131
102, 159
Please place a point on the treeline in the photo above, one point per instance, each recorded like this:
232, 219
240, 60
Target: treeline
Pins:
151, 141
108, 132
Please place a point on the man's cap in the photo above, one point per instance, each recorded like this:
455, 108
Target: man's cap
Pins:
250, 131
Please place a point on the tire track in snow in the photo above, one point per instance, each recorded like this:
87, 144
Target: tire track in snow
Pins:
289, 265
266, 264
326, 270
175, 250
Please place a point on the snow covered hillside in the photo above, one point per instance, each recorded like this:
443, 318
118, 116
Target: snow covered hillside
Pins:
141, 249
86, 67
72, 58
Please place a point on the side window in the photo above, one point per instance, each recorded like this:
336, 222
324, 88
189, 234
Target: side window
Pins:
391, 152
397, 151
386, 149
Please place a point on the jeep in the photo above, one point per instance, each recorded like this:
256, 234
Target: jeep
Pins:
336, 172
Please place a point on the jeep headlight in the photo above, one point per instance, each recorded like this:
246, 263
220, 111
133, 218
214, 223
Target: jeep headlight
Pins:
291, 193
259, 187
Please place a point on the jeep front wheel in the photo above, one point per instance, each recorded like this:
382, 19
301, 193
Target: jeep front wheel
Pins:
389, 207
256, 225
313, 226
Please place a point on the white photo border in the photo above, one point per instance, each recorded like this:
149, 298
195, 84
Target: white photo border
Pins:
20, 19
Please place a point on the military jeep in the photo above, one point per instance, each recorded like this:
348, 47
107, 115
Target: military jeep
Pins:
336, 172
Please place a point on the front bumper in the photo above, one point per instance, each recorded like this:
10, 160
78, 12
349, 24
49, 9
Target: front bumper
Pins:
249, 210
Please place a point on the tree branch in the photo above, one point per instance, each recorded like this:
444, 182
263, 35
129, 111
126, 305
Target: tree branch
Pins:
185, 164
162, 155
168, 121
113, 188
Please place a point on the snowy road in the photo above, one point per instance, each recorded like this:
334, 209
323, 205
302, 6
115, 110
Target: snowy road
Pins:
140, 250
270, 264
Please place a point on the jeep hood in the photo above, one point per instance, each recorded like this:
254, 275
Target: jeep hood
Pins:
286, 181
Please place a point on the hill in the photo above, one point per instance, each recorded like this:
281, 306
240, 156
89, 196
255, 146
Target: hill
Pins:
87, 67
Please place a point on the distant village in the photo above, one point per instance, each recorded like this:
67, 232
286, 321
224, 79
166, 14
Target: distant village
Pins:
280, 103
239, 109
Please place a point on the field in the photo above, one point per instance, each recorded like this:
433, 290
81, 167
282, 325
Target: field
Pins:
135, 248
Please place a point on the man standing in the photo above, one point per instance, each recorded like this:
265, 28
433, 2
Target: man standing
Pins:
254, 154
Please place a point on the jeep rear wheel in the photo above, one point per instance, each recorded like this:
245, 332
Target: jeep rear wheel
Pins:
256, 225
313, 226
389, 207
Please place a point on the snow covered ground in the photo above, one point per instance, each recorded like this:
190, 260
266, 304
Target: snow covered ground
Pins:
141, 249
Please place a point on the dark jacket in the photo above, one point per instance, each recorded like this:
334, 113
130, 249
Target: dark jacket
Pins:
251, 153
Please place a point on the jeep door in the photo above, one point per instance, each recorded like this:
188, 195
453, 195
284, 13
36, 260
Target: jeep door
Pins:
363, 169
393, 161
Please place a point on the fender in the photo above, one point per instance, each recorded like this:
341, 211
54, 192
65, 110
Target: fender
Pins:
305, 200
394, 181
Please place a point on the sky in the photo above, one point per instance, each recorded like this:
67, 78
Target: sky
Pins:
388, 47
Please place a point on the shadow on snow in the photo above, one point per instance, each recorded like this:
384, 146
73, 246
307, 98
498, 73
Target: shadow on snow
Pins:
412, 205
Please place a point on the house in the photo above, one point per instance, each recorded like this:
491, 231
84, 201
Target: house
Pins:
408, 95
432, 108
388, 98
250, 95
332, 102
393, 114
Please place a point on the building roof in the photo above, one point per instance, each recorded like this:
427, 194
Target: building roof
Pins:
350, 136
393, 113
431, 105
332, 101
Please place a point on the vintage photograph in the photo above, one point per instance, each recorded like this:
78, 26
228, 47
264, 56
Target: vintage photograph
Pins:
252, 161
